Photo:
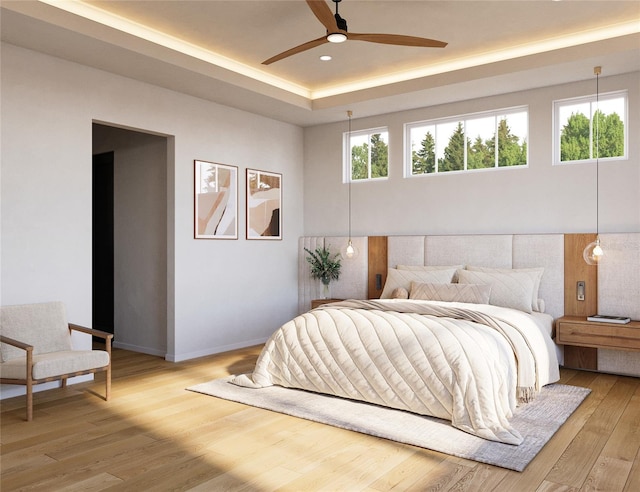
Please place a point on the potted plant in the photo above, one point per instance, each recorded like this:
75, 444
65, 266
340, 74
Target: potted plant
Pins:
324, 266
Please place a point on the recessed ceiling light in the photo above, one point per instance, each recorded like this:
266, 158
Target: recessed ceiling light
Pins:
325, 58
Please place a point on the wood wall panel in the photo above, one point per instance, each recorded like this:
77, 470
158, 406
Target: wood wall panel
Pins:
377, 265
576, 269
581, 357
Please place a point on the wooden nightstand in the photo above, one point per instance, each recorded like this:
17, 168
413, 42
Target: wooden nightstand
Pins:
575, 332
319, 302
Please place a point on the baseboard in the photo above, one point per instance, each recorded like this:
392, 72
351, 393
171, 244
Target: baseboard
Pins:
214, 350
137, 348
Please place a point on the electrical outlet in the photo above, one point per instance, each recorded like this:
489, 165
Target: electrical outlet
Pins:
580, 290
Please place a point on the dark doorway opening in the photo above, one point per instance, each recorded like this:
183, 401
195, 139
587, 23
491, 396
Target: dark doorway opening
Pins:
103, 246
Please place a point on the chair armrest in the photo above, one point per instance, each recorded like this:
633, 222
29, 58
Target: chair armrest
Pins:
16, 343
91, 331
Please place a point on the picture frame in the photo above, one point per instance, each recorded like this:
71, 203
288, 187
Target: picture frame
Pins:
264, 205
215, 200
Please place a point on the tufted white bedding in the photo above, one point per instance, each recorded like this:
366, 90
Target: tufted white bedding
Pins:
466, 363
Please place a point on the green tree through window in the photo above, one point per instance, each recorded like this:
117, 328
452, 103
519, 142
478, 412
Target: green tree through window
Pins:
453, 159
510, 152
481, 141
379, 156
424, 160
578, 131
575, 137
369, 155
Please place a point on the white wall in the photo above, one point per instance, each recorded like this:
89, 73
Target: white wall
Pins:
222, 294
539, 199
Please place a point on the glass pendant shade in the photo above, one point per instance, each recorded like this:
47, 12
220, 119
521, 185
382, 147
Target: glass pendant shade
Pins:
593, 253
349, 252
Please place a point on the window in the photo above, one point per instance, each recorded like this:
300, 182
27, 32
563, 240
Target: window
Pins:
578, 121
480, 141
367, 154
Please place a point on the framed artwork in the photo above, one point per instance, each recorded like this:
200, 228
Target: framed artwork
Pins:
264, 205
216, 200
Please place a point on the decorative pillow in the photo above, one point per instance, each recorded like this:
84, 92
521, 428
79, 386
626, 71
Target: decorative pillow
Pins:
430, 268
535, 273
512, 290
403, 278
473, 293
400, 293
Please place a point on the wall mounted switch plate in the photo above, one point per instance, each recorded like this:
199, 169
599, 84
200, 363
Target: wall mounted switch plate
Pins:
580, 290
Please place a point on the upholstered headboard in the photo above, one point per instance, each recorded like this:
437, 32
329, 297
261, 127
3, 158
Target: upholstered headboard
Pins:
618, 275
498, 251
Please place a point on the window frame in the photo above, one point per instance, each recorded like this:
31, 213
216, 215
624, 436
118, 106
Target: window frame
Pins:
346, 158
592, 100
463, 118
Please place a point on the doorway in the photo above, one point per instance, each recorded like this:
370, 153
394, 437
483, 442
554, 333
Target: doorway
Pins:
130, 229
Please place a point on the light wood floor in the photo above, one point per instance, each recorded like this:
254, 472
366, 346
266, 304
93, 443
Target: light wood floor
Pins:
154, 435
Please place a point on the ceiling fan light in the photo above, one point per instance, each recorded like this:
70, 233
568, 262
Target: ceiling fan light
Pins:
337, 37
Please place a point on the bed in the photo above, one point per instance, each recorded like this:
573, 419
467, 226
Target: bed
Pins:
458, 343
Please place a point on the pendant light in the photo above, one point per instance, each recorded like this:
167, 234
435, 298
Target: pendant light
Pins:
349, 251
593, 253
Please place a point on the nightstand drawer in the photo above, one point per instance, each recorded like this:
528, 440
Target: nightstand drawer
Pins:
584, 333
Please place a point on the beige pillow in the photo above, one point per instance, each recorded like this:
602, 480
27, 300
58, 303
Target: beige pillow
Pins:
403, 278
535, 273
429, 268
473, 293
399, 293
512, 290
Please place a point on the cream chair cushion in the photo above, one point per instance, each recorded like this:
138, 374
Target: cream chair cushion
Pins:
55, 364
42, 325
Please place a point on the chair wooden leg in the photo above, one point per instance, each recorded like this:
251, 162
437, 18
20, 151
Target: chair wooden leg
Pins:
29, 401
63, 382
108, 383
29, 385
108, 376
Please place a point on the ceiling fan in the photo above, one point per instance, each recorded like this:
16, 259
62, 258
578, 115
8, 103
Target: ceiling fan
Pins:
337, 33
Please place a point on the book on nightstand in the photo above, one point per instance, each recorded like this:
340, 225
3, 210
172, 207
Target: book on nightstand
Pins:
621, 320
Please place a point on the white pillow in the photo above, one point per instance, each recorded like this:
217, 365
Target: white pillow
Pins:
472, 293
430, 268
535, 273
403, 278
512, 290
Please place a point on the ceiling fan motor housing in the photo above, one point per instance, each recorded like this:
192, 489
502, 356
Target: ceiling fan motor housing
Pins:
340, 22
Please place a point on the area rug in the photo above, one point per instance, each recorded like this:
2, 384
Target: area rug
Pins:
537, 421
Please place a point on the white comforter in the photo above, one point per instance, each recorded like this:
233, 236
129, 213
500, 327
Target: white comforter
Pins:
462, 362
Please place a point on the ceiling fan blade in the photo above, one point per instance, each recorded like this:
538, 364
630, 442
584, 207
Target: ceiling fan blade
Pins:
397, 39
322, 11
298, 49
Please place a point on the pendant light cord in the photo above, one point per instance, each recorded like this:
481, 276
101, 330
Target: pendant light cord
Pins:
597, 72
349, 114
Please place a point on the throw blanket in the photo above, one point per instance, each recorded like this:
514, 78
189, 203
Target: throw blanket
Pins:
451, 363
